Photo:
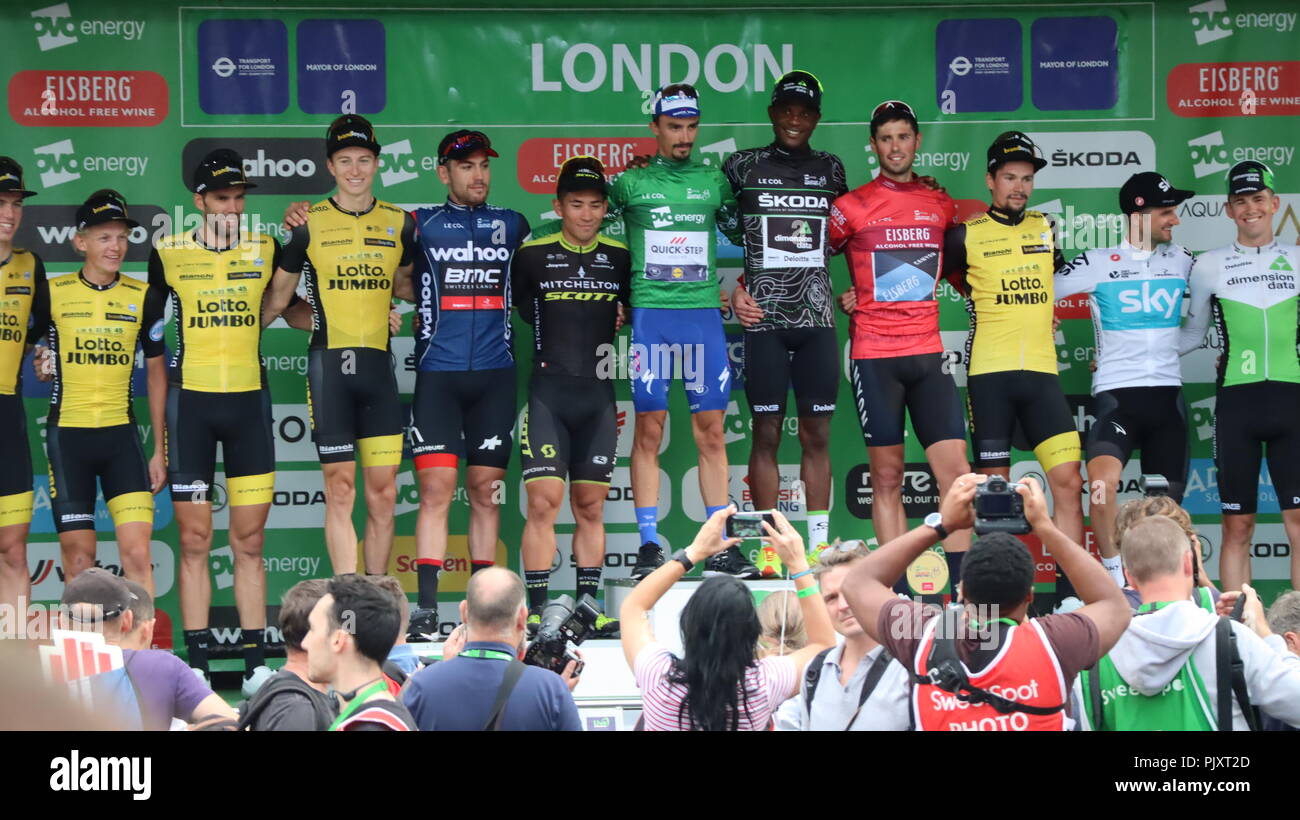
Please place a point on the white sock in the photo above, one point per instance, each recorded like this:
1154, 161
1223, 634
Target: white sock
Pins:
819, 527
1115, 566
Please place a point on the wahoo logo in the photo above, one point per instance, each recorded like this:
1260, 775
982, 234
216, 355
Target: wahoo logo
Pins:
469, 252
56, 162
1210, 21
397, 164
54, 26
1209, 154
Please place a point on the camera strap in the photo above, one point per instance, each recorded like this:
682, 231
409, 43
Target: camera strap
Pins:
944, 669
513, 673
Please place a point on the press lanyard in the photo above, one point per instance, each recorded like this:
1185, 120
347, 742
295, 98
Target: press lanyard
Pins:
487, 654
374, 688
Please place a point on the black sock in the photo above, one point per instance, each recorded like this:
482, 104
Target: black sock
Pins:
196, 647
475, 566
954, 560
427, 571
253, 642
588, 581
538, 582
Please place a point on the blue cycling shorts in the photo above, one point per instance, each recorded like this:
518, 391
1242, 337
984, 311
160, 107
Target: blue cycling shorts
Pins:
686, 344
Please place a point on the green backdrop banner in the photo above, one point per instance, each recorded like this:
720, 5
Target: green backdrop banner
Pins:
130, 95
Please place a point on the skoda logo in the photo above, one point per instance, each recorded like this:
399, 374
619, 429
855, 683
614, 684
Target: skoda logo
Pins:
223, 67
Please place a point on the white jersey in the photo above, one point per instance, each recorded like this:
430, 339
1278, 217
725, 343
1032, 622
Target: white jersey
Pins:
1137, 301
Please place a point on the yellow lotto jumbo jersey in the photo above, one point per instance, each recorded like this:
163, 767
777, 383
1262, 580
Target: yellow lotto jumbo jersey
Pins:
1009, 271
93, 333
19, 275
216, 298
351, 259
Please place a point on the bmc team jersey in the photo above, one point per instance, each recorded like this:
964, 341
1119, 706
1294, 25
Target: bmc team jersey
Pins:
1252, 293
94, 331
1004, 263
18, 277
785, 199
462, 286
216, 297
1137, 302
349, 260
892, 233
671, 210
1025, 670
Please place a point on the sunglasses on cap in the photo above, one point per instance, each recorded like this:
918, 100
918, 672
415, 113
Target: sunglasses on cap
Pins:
896, 105
465, 142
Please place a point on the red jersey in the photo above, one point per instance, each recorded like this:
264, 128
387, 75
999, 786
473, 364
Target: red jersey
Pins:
892, 233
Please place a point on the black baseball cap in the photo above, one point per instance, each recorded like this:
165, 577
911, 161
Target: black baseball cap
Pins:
11, 178
798, 86
464, 143
1250, 177
1014, 146
222, 168
101, 588
1149, 190
105, 205
348, 131
581, 173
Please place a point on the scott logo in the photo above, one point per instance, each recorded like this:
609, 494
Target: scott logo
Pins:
1210, 21
56, 162
1209, 154
54, 27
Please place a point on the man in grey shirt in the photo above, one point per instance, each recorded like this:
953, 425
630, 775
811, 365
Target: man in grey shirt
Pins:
849, 668
289, 701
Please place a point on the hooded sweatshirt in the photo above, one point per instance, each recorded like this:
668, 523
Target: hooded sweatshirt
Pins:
1152, 651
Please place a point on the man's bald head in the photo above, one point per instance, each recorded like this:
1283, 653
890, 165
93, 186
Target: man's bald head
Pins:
493, 600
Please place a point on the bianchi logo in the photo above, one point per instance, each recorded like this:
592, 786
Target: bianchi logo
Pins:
56, 28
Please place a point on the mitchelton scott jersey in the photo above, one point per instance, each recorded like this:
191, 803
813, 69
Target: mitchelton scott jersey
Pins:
462, 286
785, 198
1137, 304
1252, 294
19, 275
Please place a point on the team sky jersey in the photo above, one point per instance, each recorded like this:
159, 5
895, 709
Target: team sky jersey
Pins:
570, 296
784, 200
93, 331
892, 233
1252, 293
462, 286
18, 277
1004, 264
1137, 302
349, 260
216, 297
671, 210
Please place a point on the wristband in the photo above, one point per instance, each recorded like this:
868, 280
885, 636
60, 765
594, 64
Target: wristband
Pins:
798, 575
681, 558
806, 592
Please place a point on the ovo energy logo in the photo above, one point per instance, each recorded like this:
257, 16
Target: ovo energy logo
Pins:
56, 162
1209, 154
1210, 21
397, 163
54, 27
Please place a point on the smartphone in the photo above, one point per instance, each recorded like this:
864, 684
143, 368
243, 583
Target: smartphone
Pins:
749, 524
1239, 607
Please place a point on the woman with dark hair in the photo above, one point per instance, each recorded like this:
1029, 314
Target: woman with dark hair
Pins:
719, 685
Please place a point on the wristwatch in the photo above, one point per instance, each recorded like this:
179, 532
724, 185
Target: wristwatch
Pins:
680, 557
935, 522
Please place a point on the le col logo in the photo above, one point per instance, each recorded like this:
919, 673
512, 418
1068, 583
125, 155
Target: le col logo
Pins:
56, 27
1212, 20
1210, 155
58, 163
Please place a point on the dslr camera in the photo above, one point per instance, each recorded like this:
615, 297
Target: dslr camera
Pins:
999, 508
564, 622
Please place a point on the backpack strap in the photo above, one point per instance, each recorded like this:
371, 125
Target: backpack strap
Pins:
812, 676
1093, 675
874, 674
513, 673
1231, 678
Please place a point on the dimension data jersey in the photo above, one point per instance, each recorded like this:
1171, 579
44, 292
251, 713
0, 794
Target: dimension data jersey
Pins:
671, 210
349, 260
785, 200
1252, 295
19, 277
216, 298
93, 331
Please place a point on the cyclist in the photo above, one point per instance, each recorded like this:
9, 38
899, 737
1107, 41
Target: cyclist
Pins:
1003, 262
570, 287
464, 405
94, 319
785, 191
671, 209
1251, 290
892, 230
1137, 296
20, 270
356, 251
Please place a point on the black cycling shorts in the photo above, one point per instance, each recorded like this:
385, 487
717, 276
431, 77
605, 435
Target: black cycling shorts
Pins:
354, 407
241, 422
999, 400
1247, 417
882, 388
570, 428
806, 358
465, 414
1150, 419
16, 465
78, 456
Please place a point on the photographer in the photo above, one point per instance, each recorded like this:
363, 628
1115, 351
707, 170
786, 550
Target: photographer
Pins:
1204, 594
468, 690
719, 685
1172, 670
1025, 665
